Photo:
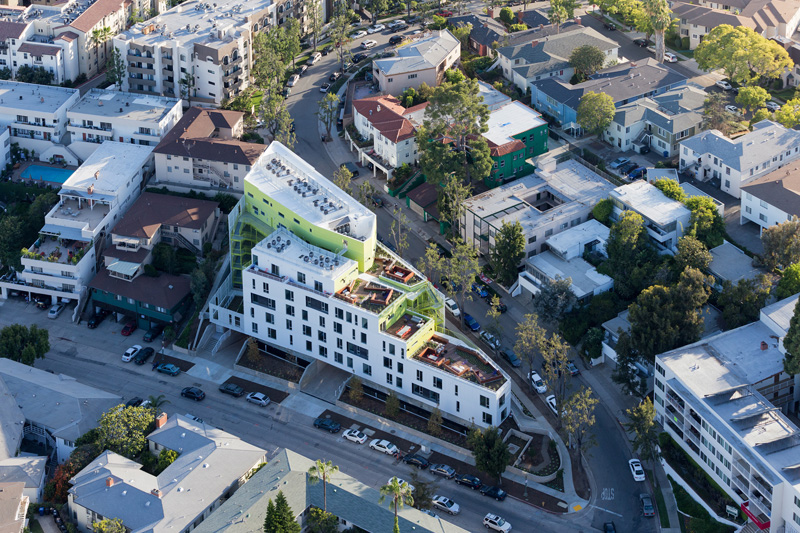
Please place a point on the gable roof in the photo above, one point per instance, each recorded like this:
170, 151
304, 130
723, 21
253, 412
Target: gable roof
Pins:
193, 136
165, 290
674, 111
533, 18
95, 13
37, 49
389, 117
11, 30
707, 17
423, 54
29, 470
780, 188
152, 210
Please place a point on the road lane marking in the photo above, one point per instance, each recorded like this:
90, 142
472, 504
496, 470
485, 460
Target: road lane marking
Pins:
607, 511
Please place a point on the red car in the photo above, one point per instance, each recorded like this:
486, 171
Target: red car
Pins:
129, 328
445, 14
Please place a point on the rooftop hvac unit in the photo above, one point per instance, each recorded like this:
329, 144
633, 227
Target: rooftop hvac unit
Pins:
269, 245
273, 242
325, 211
278, 238
288, 242
310, 254
306, 259
330, 267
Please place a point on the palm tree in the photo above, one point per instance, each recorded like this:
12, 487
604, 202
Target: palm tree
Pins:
660, 19
322, 471
157, 401
101, 36
400, 495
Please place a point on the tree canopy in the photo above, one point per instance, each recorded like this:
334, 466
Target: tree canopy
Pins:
595, 112
789, 113
630, 256
691, 253
741, 303
705, 223
280, 517
578, 418
671, 189
554, 299
643, 431
490, 451
752, 97
508, 252
791, 342
586, 60
24, 344
782, 244
790, 282
124, 430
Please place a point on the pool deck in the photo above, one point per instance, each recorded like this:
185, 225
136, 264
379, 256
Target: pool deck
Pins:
16, 174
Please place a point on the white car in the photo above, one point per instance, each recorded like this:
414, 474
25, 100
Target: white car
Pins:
293, 80
537, 382
669, 57
446, 504
724, 85
258, 398
376, 28
355, 436
401, 482
383, 446
496, 523
366, 45
491, 340
359, 34
551, 403
130, 353
398, 22
55, 311
772, 106
636, 470
452, 306
733, 109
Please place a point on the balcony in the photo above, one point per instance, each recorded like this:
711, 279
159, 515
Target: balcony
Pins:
368, 295
760, 484
232, 62
62, 251
740, 482
460, 361
693, 435
229, 76
144, 69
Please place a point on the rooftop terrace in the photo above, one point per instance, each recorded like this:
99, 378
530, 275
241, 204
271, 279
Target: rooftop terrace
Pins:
129, 106
368, 294
460, 361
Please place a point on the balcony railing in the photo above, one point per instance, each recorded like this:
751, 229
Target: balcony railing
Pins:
763, 489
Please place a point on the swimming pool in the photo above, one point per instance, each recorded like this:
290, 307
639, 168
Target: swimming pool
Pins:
51, 174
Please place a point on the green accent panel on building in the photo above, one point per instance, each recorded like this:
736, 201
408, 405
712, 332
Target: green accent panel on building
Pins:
514, 164
139, 308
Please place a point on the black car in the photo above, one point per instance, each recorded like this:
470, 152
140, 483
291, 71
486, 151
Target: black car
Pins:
327, 50
511, 357
468, 481
134, 402
193, 393
416, 460
358, 58
232, 389
153, 333
352, 168
97, 318
643, 43
494, 492
609, 527
327, 424
335, 76
628, 168
396, 39
301, 70
143, 355
609, 26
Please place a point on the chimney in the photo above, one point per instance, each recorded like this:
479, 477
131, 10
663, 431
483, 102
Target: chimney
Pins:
578, 21
490, 12
161, 420
156, 493
764, 346
109, 481
519, 17
378, 108
534, 44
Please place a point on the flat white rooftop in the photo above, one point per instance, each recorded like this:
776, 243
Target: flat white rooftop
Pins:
129, 106
580, 235
108, 171
509, 120
585, 278
491, 96
284, 245
293, 183
650, 202
16, 96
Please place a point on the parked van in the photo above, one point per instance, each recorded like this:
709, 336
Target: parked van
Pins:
316, 56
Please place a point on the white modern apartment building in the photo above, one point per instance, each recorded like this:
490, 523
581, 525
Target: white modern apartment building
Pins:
736, 162
202, 51
21, 45
772, 198
102, 115
721, 400
62, 261
423, 61
309, 280
35, 115
665, 219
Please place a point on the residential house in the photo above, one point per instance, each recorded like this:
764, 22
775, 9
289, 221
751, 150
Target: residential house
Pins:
195, 50
547, 56
391, 127
423, 61
57, 409
22, 46
696, 20
203, 150
560, 195
106, 115
515, 134
773, 198
62, 260
488, 34
624, 83
302, 247
564, 259
737, 162
722, 400
13, 508
729, 263
353, 503
15, 464
659, 122
665, 219
210, 467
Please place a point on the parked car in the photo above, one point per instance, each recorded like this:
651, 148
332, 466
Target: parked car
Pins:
293, 80
468, 481
639, 172
396, 39
153, 333
494, 492
551, 403
511, 357
724, 85
301, 70
354, 435
609, 26
168, 368
537, 382
772, 106
193, 393
491, 340
376, 28
636, 469
134, 402
446, 13
501, 306
733, 109
366, 45
258, 398
496, 523
669, 57
334, 76
327, 50
644, 43
97, 318
359, 57
647, 505
328, 424
573, 370
325, 87
446, 471
383, 446
130, 353
627, 168
400, 27
286, 92
232, 389
618, 162
316, 56
609, 527
55, 311
142, 357
480, 290
359, 34
452, 306
195, 418
471, 323
446, 504
401, 482
416, 460
128, 328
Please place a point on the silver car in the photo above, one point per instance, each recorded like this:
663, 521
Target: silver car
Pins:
258, 398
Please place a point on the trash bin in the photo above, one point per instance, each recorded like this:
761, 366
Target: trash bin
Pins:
41, 511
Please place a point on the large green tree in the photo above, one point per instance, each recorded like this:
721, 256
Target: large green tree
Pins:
490, 452
124, 430
790, 282
782, 244
328, 110
630, 256
691, 253
320, 521
791, 342
280, 517
741, 303
24, 344
507, 252
643, 432
554, 299
586, 60
671, 189
578, 418
460, 269
705, 223
453, 192
595, 112
116, 68
789, 113
716, 117
752, 97
529, 334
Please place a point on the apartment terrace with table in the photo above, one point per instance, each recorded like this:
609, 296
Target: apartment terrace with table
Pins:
310, 280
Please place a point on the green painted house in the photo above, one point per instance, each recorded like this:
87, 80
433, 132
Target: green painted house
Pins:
516, 133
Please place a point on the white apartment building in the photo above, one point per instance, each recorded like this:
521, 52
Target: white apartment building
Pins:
62, 261
102, 115
320, 288
391, 127
22, 45
196, 50
203, 151
423, 61
721, 400
664, 219
560, 195
736, 162
772, 198
35, 115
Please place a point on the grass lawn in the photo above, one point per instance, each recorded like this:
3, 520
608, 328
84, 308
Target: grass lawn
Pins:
255, 100
35, 526
784, 94
700, 519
